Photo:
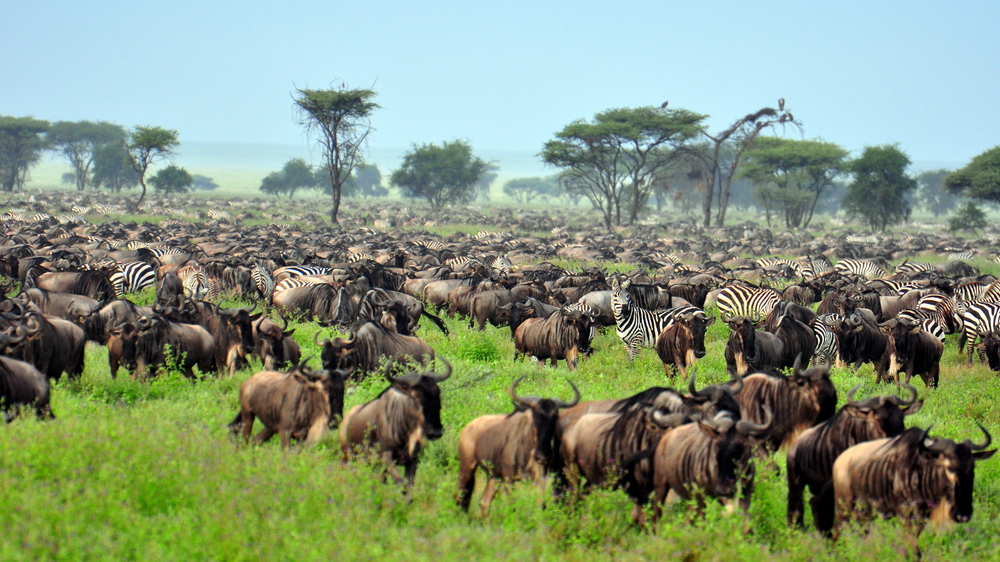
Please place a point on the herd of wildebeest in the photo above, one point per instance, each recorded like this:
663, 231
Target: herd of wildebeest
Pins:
839, 301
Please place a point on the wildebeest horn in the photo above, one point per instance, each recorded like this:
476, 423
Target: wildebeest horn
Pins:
749, 428
576, 398
975, 447
316, 339
447, 372
528, 401
850, 396
665, 421
284, 322
797, 366
691, 386
735, 383
913, 397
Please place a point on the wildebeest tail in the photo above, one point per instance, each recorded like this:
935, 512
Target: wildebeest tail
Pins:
436, 320
237, 423
627, 480
823, 508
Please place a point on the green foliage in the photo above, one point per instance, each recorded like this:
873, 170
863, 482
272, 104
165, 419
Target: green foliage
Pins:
791, 175
366, 181
295, 174
78, 141
22, 140
969, 218
171, 180
526, 190
442, 175
979, 179
617, 159
113, 169
202, 183
340, 119
932, 194
878, 194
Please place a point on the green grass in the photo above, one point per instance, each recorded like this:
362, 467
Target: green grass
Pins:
148, 471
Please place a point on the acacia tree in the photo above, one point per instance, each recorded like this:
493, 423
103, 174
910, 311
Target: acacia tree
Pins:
171, 179
979, 179
791, 175
113, 169
617, 159
445, 174
22, 140
146, 146
878, 194
721, 155
340, 121
526, 190
79, 140
933, 195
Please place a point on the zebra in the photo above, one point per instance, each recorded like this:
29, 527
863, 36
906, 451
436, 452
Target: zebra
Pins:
300, 271
638, 327
360, 256
827, 346
963, 256
215, 214
991, 293
460, 262
165, 251
291, 283
869, 239
929, 324
943, 309
868, 268
752, 302
263, 281
979, 318
970, 292
913, 267
501, 264
132, 277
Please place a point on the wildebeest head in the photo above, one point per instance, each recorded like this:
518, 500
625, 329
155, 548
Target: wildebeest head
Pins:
959, 460
272, 342
127, 333
901, 332
696, 324
335, 351
735, 443
884, 412
743, 337
332, 383
991, 342
424, 391
815, 387
240, 321
544, 416
714, 399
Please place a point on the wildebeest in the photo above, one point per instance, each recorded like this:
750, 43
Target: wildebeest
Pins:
171, 287
912, 476
509, 446
709, 457
680, 343
991, 344
21, 384
327, 303
563, 335
749, 349
369, 344
860, 339
797, 402
810, 459
909, 348
189, 345
299, 404
274, 346
93, 284
398, 422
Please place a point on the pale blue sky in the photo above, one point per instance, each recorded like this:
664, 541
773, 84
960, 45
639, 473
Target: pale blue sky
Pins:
507, 75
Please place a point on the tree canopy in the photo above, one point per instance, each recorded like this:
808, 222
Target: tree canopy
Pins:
442, 175
294, 175
932, 194
979, 179
969, 218
145, 146
171, 180
366, 181
340, 121
878, 193
22, 140
204, 183
526, 190
617, 159
77, 141
790, 175
112, 168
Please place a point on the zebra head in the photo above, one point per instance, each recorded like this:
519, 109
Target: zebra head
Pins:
620, 299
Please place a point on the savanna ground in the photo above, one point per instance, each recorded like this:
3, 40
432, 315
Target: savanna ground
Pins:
148, 471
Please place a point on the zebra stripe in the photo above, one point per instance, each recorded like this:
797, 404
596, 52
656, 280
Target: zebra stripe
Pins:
638, 327
291, 283
304, 270
752, 302
963, 256
980, 318
970, 292
263, 281
132, 277
827, 347
360, 256
869, 269
929, 325
912, 267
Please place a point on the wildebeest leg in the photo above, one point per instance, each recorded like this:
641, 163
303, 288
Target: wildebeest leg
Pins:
246, 423
266, 434
795, 505
390, 467
317, 431
466, 485
823, 507
488, 493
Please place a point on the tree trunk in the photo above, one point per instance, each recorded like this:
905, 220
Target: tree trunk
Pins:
336, 206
